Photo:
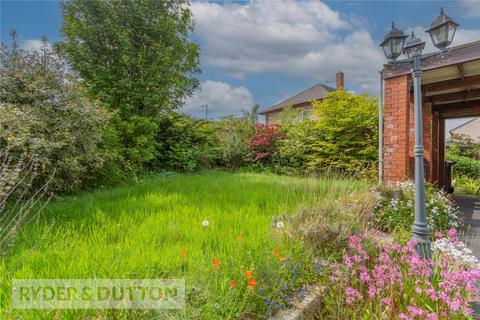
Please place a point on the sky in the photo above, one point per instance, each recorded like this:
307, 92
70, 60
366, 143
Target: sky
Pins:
265, 51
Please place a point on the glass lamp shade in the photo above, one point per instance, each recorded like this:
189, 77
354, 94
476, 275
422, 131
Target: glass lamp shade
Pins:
392, 44
442, 30
413, 46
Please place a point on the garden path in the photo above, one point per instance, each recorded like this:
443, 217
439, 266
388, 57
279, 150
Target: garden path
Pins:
470, 207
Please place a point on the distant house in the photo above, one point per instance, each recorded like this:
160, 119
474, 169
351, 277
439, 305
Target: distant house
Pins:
470, 128
302, 101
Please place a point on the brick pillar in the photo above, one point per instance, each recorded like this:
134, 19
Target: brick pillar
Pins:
428, 140
396, 128
435, 147
427, 117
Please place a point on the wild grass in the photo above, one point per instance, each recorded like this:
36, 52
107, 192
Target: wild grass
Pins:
153, 229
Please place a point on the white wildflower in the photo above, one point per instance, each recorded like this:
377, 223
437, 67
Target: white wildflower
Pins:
456, 250
280, 224
205, 223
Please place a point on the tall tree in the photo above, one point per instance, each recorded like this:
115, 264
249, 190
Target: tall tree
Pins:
135, 56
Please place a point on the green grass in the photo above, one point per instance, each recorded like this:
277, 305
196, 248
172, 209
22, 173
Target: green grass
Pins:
140, 231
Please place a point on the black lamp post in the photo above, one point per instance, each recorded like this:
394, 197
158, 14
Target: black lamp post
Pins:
392, 44
442, 31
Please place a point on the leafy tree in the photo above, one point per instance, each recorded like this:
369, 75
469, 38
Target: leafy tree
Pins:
134, 56
44, 116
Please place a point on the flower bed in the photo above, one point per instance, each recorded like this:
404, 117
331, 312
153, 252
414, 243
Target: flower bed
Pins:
392, 282
396, 207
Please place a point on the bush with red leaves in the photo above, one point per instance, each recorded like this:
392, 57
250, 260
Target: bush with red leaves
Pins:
263, 141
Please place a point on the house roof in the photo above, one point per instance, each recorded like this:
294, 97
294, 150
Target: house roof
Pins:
315, 92
471, 128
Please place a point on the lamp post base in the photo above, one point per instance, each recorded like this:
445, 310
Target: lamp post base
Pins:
423, 247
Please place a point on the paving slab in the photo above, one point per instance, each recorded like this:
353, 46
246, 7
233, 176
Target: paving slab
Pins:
470, 207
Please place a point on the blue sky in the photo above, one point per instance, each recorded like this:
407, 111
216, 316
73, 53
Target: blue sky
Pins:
264, 51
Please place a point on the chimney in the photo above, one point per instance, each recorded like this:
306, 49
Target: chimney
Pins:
340, 80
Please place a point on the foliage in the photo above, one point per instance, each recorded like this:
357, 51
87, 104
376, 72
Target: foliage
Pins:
393, 282
137, 59
263, 142
464, 166
463, 184
155, 229
44, 116
233, 134
135, 140
135, 56
464, 152
295, 153
464, 145
324, 230
396, 208
185, 144
343, 138
348, 125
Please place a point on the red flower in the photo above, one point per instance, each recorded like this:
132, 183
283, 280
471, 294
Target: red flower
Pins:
233, 283
276, 251
216, 262
252, 283
248, 274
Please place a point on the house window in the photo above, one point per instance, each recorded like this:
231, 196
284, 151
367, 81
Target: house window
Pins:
304, 114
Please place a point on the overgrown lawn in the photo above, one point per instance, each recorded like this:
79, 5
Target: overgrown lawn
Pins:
155, 229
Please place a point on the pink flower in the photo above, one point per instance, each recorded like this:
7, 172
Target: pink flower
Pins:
372, 291
415, 311
387, 301
352, 295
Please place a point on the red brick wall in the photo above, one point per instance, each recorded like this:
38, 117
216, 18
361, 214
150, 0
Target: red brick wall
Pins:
396, 128
399, 134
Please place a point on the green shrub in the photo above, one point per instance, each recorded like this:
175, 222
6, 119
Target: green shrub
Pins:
44, 115
343, 138
349, 131
464, 145
395, 210
138, 140
233, 134
464, 166
294, 152
463, 184
185, 144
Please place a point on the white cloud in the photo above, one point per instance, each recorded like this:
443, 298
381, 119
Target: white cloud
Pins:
306, 39
471, 7
237, 75
222, 100
33, 44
